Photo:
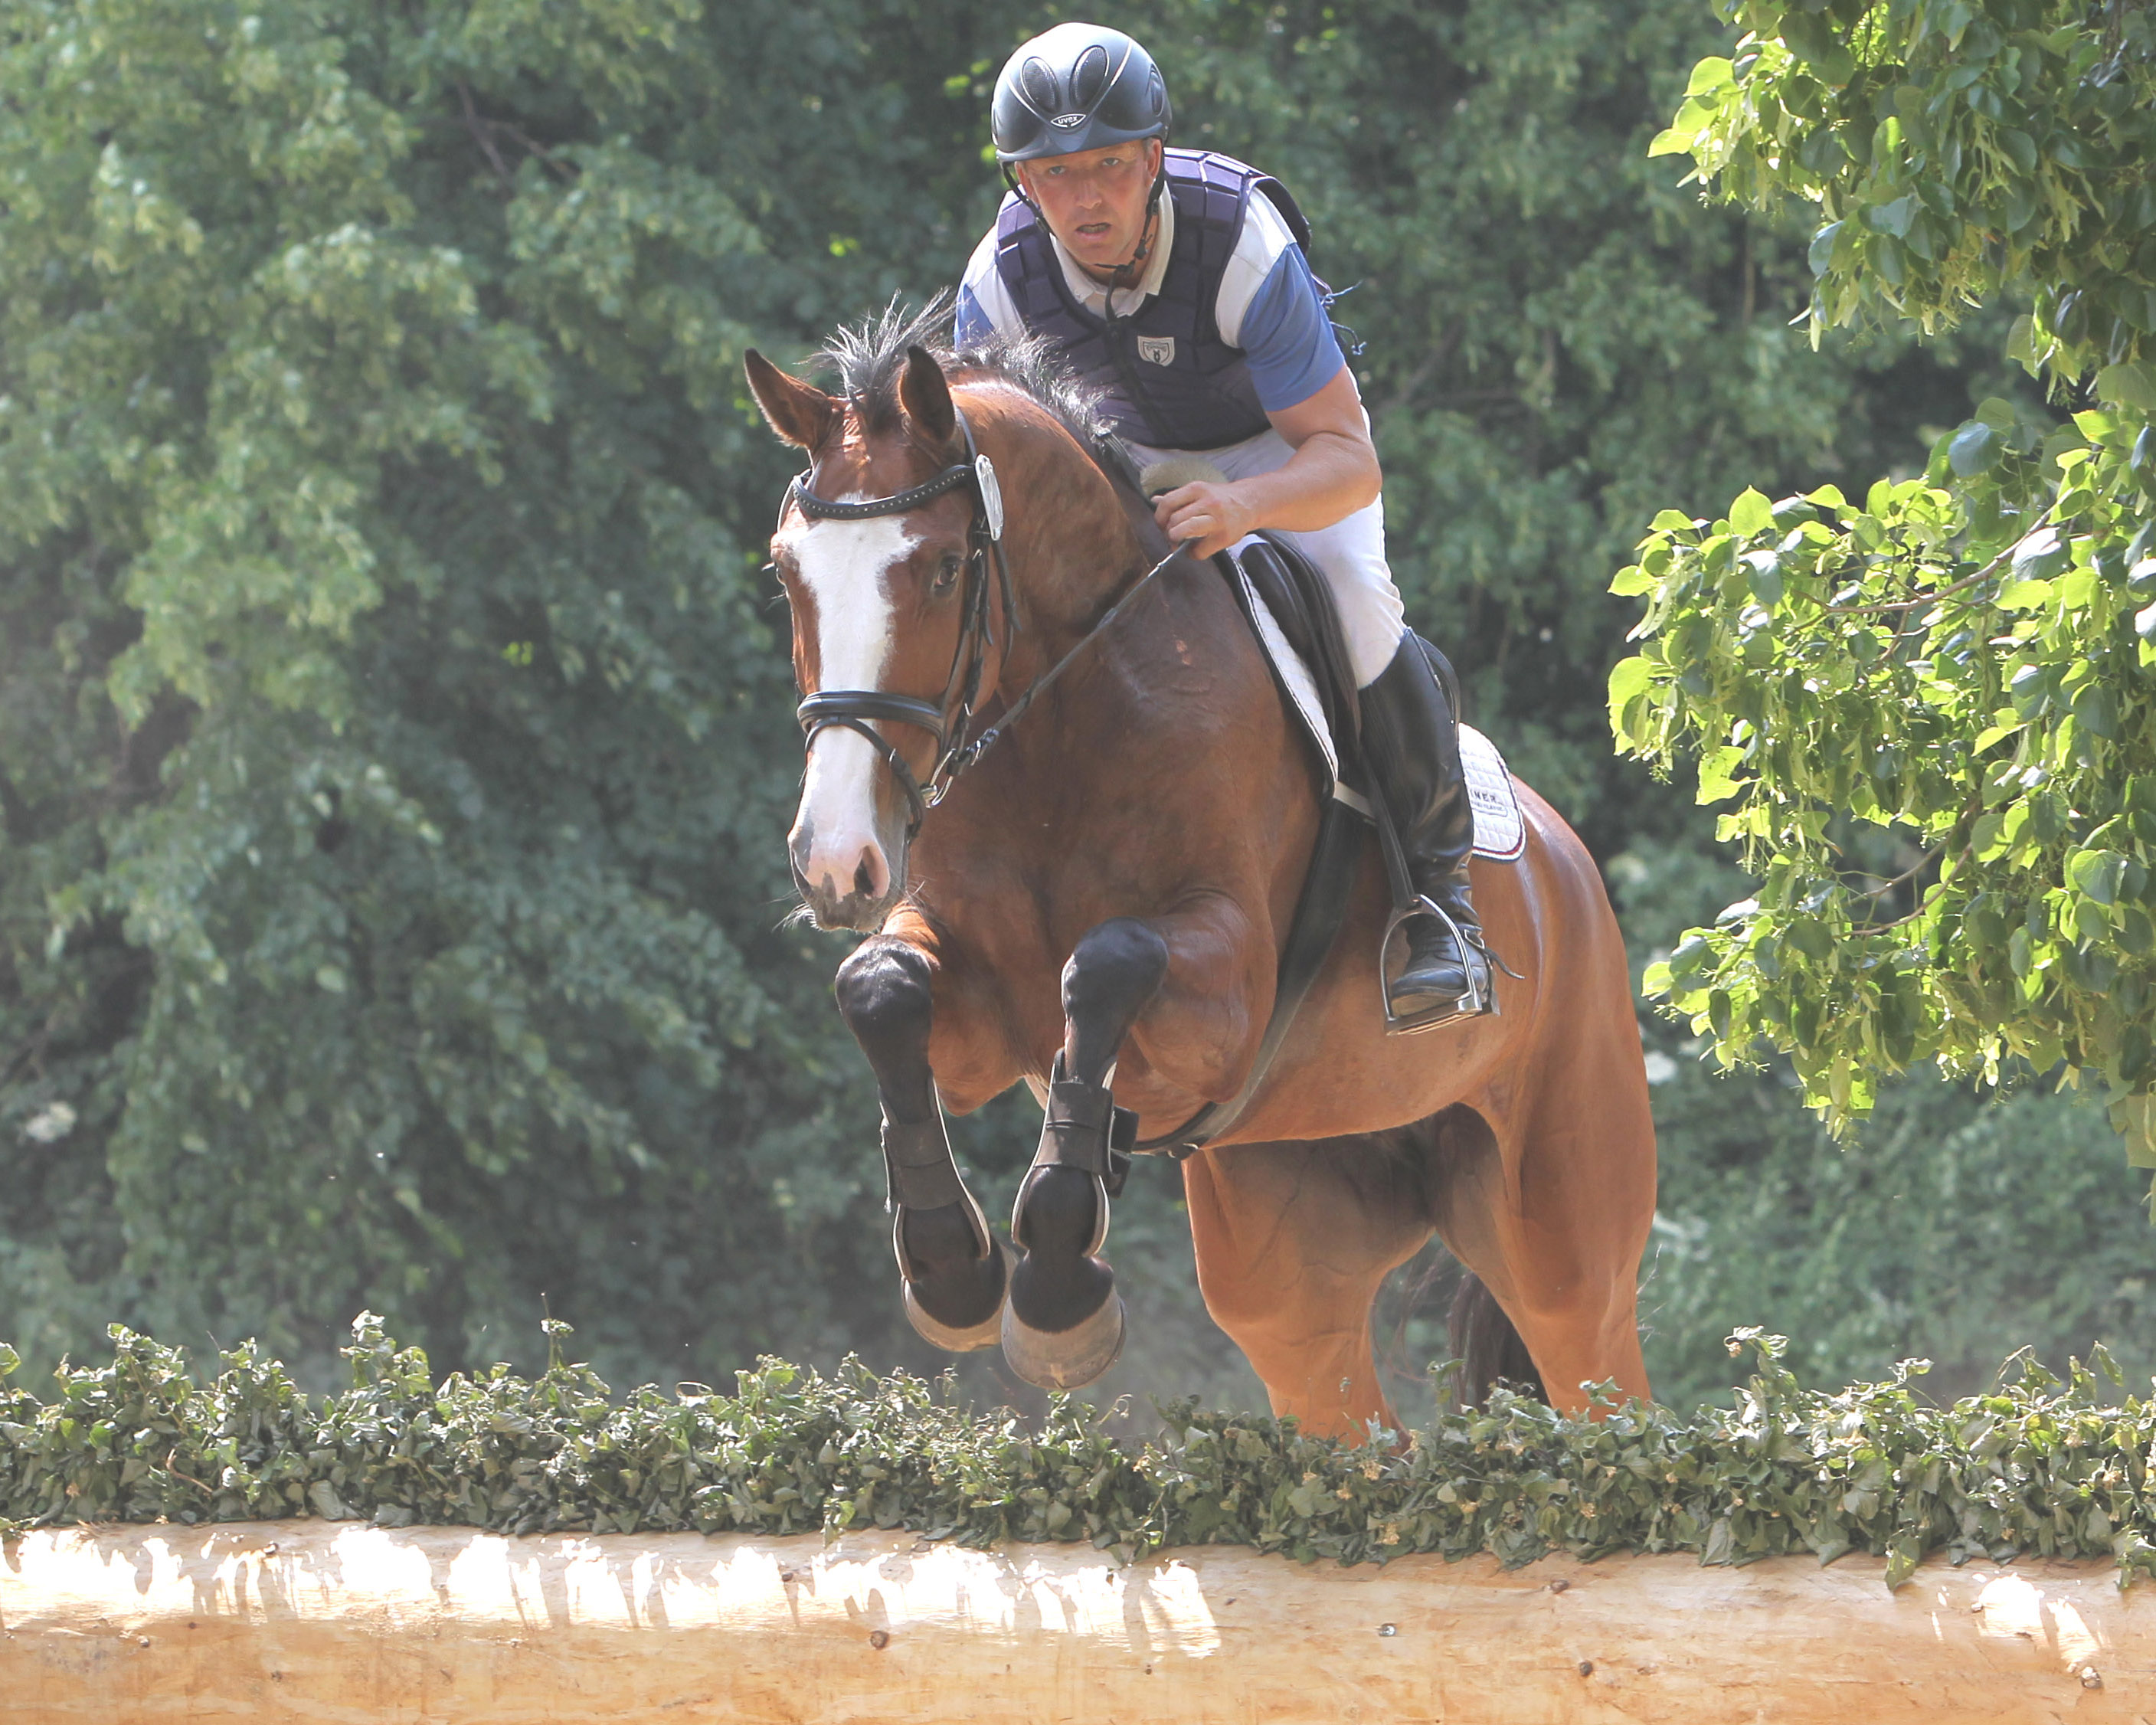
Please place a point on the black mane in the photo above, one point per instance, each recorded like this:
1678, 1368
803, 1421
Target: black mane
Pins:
869, 358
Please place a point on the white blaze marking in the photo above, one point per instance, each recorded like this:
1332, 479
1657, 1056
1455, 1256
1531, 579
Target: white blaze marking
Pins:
843, 564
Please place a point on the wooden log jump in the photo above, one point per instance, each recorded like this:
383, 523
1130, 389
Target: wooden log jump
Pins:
318, 1621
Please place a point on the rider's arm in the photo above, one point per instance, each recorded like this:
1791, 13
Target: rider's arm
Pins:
1333, 473
1272, 307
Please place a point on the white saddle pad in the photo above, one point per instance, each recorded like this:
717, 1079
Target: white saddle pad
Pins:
1501, 834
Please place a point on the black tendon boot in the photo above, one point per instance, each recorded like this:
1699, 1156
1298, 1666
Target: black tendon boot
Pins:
1411, 743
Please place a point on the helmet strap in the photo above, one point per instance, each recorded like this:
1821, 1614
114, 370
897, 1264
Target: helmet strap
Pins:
1125, 275
1147, 234
1010, 180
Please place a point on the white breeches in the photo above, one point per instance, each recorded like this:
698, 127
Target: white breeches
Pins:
1351, 552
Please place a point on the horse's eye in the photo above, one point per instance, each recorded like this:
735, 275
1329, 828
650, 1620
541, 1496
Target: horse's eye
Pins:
946, 573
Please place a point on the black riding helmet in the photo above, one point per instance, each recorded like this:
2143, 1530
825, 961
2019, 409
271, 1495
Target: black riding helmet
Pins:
1077, 87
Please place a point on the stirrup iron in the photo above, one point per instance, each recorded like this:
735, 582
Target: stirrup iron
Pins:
1480, 998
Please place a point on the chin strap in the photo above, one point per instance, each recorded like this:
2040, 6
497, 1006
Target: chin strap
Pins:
1146, 235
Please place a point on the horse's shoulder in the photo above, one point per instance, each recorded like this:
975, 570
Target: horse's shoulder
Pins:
1204, 628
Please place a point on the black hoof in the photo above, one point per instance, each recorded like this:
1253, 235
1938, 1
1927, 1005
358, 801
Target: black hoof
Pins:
961, 1337
1063, 1323
954, 1275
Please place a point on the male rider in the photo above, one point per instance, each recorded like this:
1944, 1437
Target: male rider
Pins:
1174, 280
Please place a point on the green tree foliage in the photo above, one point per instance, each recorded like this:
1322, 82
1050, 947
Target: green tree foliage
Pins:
396, 733
1558, 337
1958, 1223
395, 740
1928, 705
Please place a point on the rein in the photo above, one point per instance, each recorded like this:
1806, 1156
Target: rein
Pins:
856, 710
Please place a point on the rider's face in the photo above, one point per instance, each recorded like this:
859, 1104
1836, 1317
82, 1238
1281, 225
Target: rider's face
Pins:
1094, 201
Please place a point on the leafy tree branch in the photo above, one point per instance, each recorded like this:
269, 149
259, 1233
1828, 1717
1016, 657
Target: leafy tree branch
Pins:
1950, 153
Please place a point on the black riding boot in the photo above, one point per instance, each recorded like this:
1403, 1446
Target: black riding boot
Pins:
1411, 743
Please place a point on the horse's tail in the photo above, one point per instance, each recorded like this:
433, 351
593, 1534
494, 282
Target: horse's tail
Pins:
1487, 1346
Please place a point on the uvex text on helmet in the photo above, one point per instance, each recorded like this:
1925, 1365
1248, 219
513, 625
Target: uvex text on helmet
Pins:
1077, 87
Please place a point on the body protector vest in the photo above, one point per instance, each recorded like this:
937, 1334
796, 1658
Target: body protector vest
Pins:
1170, 381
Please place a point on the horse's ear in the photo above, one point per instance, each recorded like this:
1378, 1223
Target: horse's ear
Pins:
800, 412
926, 396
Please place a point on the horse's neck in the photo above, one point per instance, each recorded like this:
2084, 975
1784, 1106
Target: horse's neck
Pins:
1080, 547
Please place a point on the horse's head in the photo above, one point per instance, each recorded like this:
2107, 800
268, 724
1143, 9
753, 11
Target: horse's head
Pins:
878, 608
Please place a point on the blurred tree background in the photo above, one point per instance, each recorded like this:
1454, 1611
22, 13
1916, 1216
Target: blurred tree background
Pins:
396, 737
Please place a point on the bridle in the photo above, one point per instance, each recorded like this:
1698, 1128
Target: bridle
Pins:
857, 710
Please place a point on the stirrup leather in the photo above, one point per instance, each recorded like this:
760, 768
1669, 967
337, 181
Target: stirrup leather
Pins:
1481, 996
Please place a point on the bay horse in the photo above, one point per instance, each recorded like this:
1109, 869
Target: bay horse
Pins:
1098, 906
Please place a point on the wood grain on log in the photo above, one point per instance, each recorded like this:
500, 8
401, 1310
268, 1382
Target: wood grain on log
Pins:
314, 1621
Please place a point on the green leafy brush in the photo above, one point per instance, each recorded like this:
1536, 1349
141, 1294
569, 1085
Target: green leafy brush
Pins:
2038, 1466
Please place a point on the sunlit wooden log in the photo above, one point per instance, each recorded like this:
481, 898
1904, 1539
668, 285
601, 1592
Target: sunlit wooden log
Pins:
310, 1621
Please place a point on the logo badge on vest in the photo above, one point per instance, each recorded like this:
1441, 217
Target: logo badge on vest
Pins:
1157, 350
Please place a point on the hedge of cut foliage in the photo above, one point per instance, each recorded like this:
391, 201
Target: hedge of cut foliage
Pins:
2038, 1466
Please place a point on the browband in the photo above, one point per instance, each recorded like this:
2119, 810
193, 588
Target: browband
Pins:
823, 509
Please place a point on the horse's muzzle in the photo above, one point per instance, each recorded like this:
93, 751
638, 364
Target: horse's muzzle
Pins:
859, 902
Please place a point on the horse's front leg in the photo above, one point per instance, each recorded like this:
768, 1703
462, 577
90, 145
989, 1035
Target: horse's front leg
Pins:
1063, 1325
954, 1274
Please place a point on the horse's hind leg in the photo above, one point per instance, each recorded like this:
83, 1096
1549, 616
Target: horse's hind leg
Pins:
954, 1274
1063, 1324
1292, 1241
1551, 1209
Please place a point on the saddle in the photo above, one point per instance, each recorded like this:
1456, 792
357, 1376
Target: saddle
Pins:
1288, 605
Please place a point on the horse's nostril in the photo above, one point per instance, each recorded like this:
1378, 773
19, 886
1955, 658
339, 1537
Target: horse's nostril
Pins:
865, 878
